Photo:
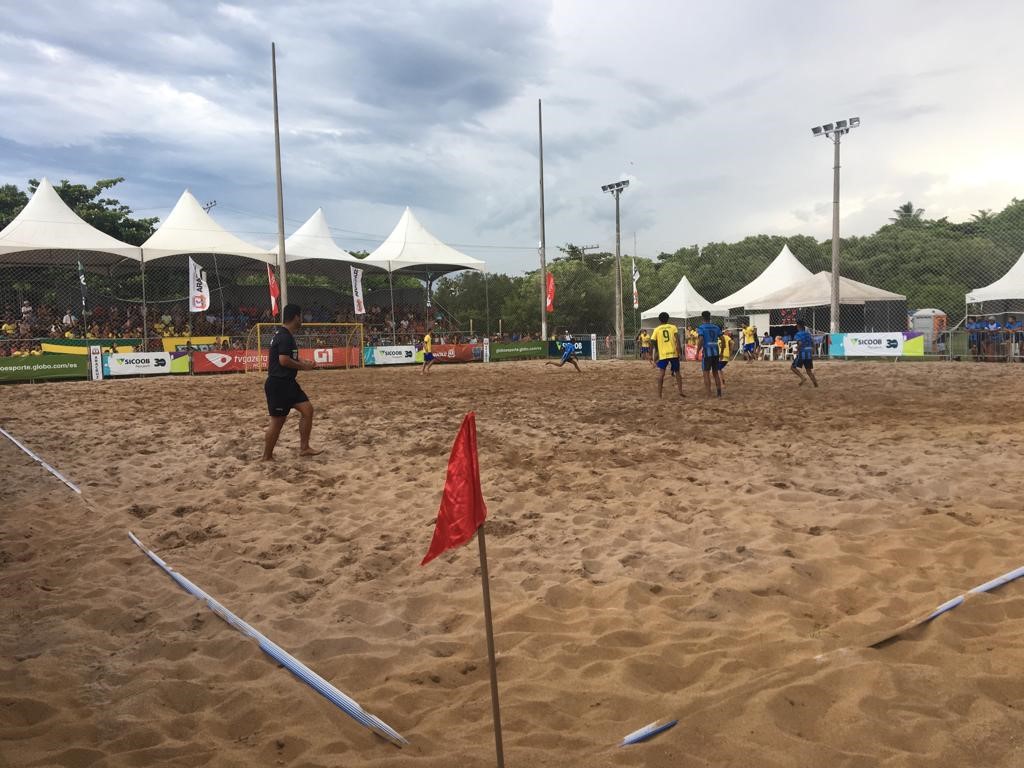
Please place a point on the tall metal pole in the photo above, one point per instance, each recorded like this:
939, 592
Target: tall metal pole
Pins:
543, 238
281, 260
619, 340
834, 326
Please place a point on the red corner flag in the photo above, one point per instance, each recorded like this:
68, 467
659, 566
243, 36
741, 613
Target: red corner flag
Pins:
275, 292
462, 504
550, 303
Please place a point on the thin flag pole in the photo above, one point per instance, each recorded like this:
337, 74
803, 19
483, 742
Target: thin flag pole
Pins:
495, 709
145, 311
282, 260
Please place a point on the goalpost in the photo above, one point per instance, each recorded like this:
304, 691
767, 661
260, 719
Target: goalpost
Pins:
329, 345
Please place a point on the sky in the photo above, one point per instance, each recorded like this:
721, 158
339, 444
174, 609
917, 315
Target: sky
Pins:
705, 107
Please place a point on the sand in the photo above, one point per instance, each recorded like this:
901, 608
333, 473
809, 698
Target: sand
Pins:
725, 563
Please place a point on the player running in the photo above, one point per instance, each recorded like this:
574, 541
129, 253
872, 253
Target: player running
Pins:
708, 335
804, 354
668, 351
568, 354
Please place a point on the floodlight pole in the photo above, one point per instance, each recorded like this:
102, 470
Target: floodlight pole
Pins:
835, 132
615, 188
619, 339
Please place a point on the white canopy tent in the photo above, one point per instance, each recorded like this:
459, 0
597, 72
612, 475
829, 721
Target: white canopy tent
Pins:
1009, 286
816, 291
785, 270
47, 225
311, 248
683, 303
411, 248
190, 229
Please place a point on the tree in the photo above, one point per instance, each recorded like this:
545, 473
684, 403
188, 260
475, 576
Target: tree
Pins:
907, 214
107, 214
12, 200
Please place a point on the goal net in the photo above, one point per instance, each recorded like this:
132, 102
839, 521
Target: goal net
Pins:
329, 345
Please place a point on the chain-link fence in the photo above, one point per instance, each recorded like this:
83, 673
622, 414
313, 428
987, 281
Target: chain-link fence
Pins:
933, 264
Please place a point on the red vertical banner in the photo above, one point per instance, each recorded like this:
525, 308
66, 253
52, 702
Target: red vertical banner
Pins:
551, 292
275, 292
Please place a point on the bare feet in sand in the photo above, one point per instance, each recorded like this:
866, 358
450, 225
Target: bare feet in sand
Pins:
310, 452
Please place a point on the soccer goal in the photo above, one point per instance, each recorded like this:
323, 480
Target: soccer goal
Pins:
329, 345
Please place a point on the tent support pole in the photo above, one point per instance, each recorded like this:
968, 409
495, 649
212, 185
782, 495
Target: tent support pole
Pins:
145, 311
391, 285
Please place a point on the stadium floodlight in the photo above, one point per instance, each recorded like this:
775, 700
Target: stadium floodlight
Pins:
835, 132
615, 189
616, 185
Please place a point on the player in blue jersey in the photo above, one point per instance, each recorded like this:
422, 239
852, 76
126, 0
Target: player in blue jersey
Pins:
708, 335
568, 347
804, 354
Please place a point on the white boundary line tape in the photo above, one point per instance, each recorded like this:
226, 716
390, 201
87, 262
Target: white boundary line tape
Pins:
56, 473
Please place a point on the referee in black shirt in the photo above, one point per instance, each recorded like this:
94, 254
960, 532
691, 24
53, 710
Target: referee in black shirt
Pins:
283, 391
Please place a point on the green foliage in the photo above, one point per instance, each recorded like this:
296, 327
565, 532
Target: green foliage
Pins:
933, 262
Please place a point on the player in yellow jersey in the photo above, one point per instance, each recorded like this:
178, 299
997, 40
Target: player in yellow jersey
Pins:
668, 352
428, 353
643, 339
749, 343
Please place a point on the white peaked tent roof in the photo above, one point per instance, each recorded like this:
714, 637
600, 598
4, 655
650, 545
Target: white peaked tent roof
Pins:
682, 303
313, 241
1009, 286
411, 247
785, 270
46, 223
190, 229
816, 291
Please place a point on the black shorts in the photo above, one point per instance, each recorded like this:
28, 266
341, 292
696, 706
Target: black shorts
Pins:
283, 395
710, 363
807, 365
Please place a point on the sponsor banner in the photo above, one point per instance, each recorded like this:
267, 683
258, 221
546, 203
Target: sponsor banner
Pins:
454, 353
389, 355
487, 350
583, 348
357, 291
201, 343
145, 363
895, 344
81, 346
60, 349
689, 351
44, 367
518, 350
199, 289
332, 357
235, 360
96, 362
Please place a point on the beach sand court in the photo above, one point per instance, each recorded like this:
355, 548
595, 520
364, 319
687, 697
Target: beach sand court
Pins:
726, 563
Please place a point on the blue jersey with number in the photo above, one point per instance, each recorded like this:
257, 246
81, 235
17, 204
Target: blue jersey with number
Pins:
710, 334
806, 345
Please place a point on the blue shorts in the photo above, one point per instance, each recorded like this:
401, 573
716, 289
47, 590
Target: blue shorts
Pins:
749, 347
722, 364
428, 356
710, 363
807, 364
663, 364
